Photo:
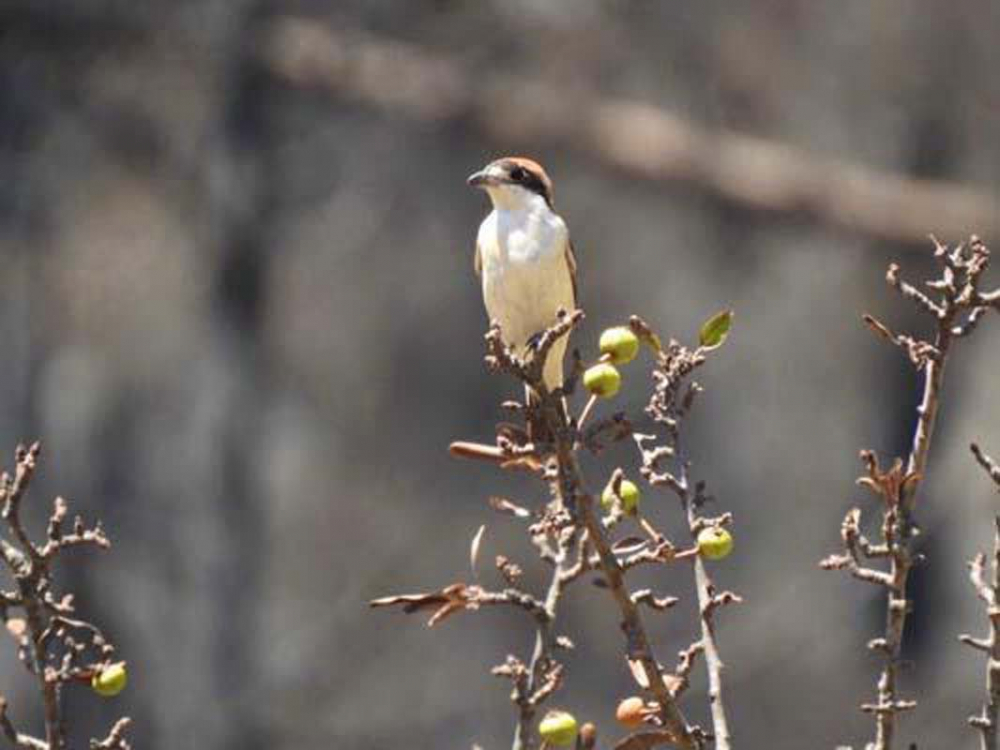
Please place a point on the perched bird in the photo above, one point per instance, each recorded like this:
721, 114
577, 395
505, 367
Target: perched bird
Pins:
524, 257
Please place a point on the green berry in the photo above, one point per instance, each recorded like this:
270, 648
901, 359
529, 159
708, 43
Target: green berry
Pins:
110, 681
715, 543
602, 380
620, 344
558, 728
627, 491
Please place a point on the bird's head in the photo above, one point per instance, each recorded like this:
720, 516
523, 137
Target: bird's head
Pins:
514, 182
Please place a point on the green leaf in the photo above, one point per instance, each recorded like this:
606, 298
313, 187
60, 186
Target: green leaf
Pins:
715, 330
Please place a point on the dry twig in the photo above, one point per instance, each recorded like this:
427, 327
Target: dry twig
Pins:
663, 465
55, 648
957, 309
986, 722
989, 465
569, 536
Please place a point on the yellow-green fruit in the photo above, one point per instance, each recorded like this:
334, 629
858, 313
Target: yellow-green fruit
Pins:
620, 344
558, 728
628, 492
602, 380
715, 543
110, 681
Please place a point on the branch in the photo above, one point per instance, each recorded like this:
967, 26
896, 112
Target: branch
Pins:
544, 673
639, 139
986, 722
569, 487
16, 738
568, 535
55, 648
28, 576
988, 464
638, 646
956, 311
670, 403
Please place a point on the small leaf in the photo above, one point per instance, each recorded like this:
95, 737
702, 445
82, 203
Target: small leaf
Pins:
715, 330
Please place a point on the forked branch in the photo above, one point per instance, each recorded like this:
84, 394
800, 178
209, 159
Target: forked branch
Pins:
955, 305
55, 648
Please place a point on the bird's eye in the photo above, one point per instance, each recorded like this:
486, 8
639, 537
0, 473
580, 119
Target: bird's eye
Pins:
518, 174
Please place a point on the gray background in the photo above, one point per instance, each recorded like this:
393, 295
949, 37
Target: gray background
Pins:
240, 313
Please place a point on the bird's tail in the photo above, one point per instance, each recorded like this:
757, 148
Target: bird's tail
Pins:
552, 376
553, 372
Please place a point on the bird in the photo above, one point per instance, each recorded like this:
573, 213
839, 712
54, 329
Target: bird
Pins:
524, 258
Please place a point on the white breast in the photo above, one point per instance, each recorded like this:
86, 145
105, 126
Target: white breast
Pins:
525, 272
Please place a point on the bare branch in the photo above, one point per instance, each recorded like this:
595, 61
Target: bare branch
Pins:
987, 463
670, 403
56, 649
956, 312
14, 737
568, 534
115, 739
986, 720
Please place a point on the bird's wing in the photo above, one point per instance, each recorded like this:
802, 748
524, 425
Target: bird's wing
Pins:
477, 261
571, 262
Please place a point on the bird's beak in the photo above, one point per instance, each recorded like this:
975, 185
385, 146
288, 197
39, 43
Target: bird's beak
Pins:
483, 178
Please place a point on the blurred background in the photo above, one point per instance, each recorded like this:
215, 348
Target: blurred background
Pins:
239, 311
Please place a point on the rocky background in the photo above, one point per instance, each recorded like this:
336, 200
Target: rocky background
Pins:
239, 311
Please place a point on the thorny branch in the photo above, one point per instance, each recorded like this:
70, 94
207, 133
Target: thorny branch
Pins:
54, 647
670, 403
544, 673
956, 310
569, 488
572, 539
986, 722
560, 542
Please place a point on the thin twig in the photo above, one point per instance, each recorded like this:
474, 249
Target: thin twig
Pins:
713, 660
571, 490
28, 577
986, 722
55, 648
959, 307
542, 655
671, 400
16, 738
569, 536
991, 466
116, 737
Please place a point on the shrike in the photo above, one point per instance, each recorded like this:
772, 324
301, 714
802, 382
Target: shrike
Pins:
524, 257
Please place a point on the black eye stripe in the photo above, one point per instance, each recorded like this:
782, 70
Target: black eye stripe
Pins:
528, 179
